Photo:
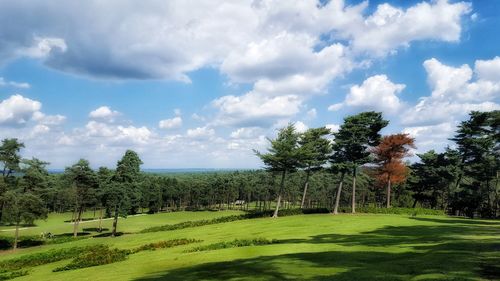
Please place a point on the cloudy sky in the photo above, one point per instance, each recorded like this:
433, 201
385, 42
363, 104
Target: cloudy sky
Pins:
201, 83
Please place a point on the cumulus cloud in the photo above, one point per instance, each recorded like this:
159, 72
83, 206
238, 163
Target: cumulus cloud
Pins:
333, 127
18, 110
455, 92
390, 27
172, 123
255, 109
376, 93
200, 133
104, 113
300, 127
245, 133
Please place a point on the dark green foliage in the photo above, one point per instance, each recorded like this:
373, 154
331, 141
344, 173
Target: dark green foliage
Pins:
13, 274
43, 258
99, 255
396, 211
164, 244
234, 244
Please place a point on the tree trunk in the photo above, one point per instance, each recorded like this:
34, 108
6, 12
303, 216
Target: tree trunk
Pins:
353, 203
100, 220
339, 191
414, 203
389, 192
306, 185
115, 222
77, 222
16, 236
278, 202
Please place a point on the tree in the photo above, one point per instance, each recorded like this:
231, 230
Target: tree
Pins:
84, 180
9, 156
35, 175
478, 144
351, 146
284, 156
9, 161
389, 154
315, 149
22, 207
123, 193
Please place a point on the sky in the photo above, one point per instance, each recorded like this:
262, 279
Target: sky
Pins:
199, 84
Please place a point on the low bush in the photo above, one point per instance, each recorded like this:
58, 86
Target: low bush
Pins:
394, 210
164, 244
100, 255
234, 244
43, 258
13, 274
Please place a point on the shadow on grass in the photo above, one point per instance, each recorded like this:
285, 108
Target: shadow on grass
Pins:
435, 252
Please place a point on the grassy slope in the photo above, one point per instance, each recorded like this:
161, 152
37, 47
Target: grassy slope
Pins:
56, 225
316, 247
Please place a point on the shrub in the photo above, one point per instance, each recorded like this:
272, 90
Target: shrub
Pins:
100, 255
164, 244
396, 211
234, 244
13, 274
43, 258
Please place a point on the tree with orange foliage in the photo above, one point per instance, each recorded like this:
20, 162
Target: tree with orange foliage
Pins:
389, 156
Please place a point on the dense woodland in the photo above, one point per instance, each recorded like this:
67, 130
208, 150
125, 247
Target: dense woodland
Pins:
353, 167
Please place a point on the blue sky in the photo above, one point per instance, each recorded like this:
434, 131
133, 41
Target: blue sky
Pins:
202, 83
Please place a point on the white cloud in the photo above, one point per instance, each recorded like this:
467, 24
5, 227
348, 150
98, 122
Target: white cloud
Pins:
51, 120
18, 110
21, 85
432, 137
376, 93
172, 123
245, 133
254, 109
200, 133
488, 70
335, 107
104, 113
389, 27
300, 127
333, 127
455, 93
312, 113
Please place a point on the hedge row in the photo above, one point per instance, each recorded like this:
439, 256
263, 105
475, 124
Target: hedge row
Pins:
234, 244
163, 245
396, 211
100, 255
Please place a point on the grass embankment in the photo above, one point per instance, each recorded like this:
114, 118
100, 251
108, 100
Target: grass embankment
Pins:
302, 247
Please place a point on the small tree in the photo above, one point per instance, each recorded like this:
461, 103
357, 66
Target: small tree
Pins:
316, 150
122, 193
284, 156
22, 208
389, 156
84, 180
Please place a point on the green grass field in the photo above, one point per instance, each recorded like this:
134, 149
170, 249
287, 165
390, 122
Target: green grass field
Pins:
311, 247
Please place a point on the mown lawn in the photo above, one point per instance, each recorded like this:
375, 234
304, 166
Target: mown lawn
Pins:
311, 247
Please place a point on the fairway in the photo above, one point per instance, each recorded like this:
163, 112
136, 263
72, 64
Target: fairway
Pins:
309, 247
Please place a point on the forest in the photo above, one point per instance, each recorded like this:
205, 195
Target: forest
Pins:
353, 169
